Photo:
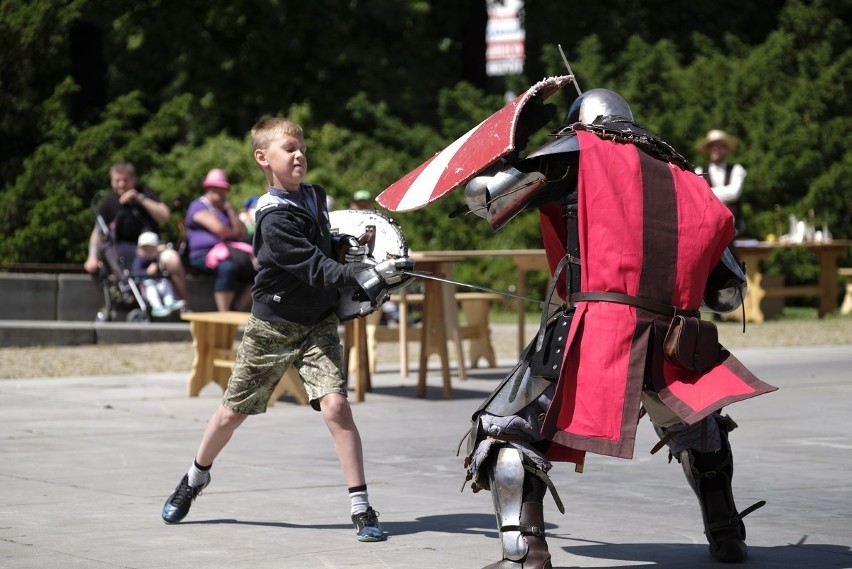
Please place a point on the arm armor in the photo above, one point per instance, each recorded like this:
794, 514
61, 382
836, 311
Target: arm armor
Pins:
726, 286
505, 190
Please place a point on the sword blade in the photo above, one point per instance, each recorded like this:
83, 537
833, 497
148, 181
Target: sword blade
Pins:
430, 276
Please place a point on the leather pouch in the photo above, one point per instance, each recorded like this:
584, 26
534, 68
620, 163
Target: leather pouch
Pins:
692, 343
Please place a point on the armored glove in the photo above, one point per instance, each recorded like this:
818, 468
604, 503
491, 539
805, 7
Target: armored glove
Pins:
378, 281
392, 272
348, 249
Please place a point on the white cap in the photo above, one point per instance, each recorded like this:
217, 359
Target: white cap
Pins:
148, 238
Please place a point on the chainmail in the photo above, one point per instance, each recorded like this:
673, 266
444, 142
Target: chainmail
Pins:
621, 129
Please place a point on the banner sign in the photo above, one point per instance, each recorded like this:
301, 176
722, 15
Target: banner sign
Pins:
504, 38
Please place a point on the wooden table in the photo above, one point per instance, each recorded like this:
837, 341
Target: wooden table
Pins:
525, 261
213, 336
440, 323
825, 289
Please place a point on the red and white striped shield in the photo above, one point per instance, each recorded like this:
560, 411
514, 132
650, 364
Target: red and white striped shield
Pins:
469, 155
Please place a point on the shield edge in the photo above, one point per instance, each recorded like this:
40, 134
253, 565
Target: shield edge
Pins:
446, 170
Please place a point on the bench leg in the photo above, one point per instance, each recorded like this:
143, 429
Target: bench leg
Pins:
846, 307
479, 341
207, 339
434, 338
290, 384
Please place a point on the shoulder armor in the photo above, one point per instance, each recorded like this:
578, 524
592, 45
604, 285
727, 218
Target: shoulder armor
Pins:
621, 130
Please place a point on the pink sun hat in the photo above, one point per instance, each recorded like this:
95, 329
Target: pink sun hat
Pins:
216, 178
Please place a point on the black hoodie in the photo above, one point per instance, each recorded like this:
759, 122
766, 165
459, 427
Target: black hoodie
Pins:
299, 280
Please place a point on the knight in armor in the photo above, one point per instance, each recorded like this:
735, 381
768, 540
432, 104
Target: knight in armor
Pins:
637, 243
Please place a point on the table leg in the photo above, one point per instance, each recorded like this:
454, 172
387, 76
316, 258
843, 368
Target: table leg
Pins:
224, 336
403, 333
755, 293
348, 336
362, 359
525, 264
828, 282
202, 361
522, 309
433, 337
454, 333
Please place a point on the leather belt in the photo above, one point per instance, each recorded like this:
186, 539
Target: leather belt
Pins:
644, 303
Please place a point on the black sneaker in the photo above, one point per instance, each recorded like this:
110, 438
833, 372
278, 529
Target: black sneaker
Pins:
177, 505
367, 526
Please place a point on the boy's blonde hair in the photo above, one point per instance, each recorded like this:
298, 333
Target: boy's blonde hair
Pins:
266, 130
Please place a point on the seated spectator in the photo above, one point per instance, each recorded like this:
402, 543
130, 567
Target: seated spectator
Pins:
156, 287
128, 211
247, 213
362, 199
216, 238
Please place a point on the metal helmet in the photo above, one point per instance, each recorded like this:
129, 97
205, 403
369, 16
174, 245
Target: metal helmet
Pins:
595, 103
585, 109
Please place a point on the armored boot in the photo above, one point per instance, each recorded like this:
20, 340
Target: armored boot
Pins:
518, 497
709, 474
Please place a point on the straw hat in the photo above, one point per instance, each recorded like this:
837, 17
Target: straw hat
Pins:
216, 178
718, 136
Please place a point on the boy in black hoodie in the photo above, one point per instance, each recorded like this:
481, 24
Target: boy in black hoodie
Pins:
293, 320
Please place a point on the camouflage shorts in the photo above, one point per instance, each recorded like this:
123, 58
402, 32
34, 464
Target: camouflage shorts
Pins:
269, 348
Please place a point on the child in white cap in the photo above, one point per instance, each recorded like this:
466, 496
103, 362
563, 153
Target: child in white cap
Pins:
157, 289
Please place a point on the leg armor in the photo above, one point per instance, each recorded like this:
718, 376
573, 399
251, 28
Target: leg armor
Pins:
705, 454
505, 442
504, 457
518, 496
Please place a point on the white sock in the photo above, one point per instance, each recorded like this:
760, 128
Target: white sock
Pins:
358, 502
198, 475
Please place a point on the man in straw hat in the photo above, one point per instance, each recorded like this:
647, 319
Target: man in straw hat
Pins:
725, 179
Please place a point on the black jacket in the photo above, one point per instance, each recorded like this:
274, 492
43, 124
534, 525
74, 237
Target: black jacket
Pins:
299, 280
129, 220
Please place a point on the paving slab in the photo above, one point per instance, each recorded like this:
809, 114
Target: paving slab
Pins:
86, 463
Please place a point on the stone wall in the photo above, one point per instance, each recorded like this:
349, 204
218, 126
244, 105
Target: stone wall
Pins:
60, 309
72, 297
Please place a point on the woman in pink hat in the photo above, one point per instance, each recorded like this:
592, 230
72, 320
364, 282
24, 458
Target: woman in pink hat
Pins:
217, 243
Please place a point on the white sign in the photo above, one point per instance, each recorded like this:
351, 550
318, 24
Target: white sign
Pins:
504, 38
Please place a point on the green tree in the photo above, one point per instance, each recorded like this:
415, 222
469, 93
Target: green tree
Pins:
382, 86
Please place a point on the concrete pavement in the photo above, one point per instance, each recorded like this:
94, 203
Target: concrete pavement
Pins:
86, 463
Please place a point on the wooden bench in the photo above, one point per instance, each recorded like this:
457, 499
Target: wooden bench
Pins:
846, 306
476, 307
213, 336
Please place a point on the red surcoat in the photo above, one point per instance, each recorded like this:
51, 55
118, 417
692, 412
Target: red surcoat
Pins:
647, 229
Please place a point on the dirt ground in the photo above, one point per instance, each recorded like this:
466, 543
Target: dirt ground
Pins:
115, 359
